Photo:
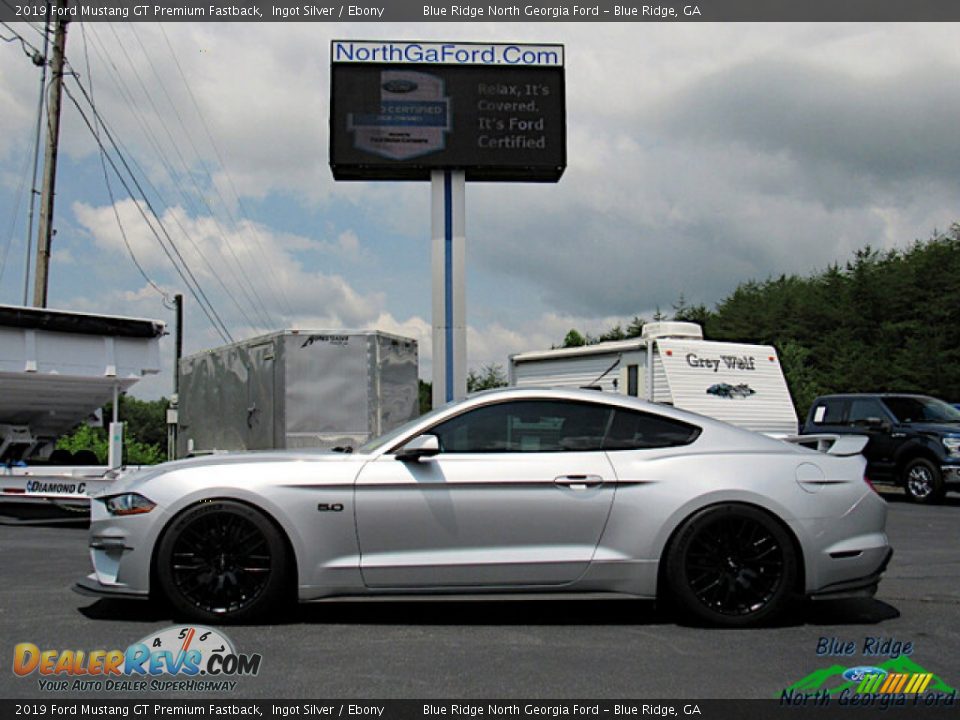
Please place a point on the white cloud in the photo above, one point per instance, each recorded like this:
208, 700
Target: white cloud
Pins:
246, 269
700, 155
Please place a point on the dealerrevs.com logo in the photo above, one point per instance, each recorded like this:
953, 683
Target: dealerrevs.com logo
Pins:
178, 658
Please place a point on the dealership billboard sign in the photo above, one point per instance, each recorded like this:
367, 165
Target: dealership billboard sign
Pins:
400, 110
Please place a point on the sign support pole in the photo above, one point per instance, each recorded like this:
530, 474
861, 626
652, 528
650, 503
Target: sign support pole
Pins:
448, 227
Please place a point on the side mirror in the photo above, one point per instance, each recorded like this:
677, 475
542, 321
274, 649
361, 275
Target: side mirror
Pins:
420, 447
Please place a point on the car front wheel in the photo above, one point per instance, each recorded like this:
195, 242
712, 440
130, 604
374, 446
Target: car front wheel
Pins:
222, 561
732, 565
922, 481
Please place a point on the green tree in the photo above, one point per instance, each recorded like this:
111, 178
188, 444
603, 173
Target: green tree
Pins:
883, 321
145, 420
145, 432
489, 377
425, 396
86, 438
614, 333
95, 440
635, 328
574, 339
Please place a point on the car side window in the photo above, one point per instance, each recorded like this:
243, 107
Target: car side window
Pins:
632, 430
828, 412
863, 408
526, 426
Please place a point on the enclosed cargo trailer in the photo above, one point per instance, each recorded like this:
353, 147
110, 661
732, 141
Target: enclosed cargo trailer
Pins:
296, 389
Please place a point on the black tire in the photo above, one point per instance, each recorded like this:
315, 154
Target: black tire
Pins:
223, 561
732, 565
923, 482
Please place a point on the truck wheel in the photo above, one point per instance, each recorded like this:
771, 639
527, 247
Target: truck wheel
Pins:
732, 565
923, 482
222, 561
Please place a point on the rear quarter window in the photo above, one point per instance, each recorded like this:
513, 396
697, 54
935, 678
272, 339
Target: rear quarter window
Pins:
632, 430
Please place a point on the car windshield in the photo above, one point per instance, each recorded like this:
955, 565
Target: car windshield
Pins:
376, 443
922, 409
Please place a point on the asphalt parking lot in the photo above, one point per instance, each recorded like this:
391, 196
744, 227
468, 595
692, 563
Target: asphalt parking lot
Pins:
530, 649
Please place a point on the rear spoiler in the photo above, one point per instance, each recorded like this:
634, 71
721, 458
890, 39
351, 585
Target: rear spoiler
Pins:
842, 445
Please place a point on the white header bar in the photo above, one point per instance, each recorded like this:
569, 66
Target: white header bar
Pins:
439, 53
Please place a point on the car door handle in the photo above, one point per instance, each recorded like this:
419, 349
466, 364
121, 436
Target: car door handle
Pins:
578, 482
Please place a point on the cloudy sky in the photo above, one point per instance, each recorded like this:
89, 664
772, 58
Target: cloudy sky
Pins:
699, 156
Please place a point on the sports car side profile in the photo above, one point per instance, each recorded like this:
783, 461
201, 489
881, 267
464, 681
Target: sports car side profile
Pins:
509, 491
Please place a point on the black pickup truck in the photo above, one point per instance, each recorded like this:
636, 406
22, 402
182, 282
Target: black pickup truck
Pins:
914, 439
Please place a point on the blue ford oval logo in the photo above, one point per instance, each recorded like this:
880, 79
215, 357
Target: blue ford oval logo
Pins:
399, 86
856, 674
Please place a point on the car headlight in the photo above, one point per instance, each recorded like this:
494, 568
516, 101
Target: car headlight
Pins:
952, 444
128, 504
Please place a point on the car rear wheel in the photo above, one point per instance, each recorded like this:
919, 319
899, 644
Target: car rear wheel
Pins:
222, 561
922, 481
732, 565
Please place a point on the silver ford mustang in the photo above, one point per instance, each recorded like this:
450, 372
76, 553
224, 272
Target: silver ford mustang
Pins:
511, 491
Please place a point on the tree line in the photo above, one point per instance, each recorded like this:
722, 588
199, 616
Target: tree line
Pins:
884, 321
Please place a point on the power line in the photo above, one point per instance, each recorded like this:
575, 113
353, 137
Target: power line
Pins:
37, 30
192, 284
36, 158
106, 180
252, 296
38, 59
28, 48
26, 22
133, 105
213, 144
13, 216
162, 156
189, 137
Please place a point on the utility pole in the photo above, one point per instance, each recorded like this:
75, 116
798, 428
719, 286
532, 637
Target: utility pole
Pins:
173, 414
40, 60
178, 304
45, 233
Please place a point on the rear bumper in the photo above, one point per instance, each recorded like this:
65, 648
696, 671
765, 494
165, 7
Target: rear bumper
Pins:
858, 587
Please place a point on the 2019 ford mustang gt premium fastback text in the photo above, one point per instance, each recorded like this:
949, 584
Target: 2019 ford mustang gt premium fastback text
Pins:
510, 491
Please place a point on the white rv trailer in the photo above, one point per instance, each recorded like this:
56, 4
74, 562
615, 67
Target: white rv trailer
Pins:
738, 383
57, 368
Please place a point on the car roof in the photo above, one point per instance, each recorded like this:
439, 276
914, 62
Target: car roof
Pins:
582, 394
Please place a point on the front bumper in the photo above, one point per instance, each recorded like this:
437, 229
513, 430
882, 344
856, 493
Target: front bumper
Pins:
950, 474
92, 587
120, 552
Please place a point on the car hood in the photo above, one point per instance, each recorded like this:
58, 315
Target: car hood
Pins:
136, 478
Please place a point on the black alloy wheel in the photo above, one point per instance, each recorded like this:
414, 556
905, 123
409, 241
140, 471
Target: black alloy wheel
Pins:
223, 561
923, 482
732, 565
